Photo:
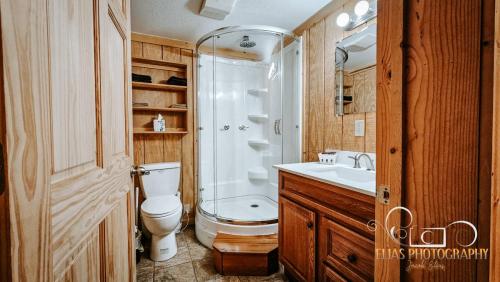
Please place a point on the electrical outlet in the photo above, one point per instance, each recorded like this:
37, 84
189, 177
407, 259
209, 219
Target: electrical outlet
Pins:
187, 208
359, 127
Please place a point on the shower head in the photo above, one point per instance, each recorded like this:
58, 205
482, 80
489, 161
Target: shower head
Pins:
246, 43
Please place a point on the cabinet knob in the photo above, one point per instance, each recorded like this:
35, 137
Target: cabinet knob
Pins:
310, 225
352, 258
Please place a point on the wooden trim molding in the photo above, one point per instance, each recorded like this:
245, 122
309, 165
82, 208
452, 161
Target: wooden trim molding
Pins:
330, 8
5, 270
389, 136
485, 134
27, 112
152, 39
495, 181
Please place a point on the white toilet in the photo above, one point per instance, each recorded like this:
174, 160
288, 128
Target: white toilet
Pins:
162, 209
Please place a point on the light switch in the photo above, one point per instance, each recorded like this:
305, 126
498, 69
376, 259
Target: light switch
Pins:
359, 127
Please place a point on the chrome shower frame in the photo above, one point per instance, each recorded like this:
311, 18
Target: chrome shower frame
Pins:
230, 29
218, 32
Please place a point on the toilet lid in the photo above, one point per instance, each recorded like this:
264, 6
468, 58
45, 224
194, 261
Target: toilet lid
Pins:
160, 206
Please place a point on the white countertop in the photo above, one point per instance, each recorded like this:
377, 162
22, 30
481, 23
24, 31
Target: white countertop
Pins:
344, 176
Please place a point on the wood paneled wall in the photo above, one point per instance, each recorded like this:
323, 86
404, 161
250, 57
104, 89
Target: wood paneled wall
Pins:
170, 148
321, 128
363, 90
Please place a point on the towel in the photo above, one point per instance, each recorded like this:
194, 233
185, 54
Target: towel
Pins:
174, 80
141, 78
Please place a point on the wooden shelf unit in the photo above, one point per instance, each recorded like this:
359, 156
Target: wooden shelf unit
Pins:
157, 86
159, 109
163, 63
157, 98
168, 131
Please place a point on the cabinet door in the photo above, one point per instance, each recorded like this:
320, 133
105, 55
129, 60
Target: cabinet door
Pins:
296, 239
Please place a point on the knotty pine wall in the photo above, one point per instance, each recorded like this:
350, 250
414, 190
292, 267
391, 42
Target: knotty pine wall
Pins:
166, 147
322, 129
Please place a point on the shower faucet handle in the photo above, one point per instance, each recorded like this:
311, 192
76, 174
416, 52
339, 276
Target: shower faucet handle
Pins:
225, 128
243, 127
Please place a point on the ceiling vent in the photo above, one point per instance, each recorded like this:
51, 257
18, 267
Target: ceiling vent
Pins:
217, 9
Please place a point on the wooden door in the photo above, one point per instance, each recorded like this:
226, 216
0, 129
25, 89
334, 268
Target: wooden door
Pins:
68, 140
431, 124
296, 232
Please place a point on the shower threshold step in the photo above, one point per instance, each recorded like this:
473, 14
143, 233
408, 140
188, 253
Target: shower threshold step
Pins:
255, 255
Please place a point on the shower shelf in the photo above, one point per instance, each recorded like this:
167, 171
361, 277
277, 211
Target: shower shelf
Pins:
258, 142
258, 117
257, 91
258, 173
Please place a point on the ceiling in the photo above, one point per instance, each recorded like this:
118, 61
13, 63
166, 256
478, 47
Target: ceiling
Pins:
180, 19
361, 48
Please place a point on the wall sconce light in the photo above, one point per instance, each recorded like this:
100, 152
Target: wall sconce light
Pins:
343, 19
363, 11
362, 8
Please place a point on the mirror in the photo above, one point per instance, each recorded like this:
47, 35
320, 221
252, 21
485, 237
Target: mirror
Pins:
355, 60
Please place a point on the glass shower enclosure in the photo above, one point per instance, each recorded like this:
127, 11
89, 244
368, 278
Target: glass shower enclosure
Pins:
240, 123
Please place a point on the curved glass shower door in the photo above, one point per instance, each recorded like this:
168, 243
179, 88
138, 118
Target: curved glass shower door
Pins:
240, 121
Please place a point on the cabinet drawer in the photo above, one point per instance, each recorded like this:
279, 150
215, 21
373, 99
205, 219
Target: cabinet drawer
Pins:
330, 275
346, 250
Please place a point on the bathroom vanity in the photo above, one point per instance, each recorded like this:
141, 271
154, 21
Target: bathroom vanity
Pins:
324, 213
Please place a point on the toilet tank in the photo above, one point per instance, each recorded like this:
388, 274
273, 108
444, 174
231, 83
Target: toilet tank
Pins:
162, 179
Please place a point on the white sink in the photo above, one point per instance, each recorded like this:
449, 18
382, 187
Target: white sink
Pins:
346, 173
358, 179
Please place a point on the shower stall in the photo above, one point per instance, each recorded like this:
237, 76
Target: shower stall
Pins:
248, 116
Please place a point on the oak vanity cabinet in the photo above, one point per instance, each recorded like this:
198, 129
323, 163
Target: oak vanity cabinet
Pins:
323, 231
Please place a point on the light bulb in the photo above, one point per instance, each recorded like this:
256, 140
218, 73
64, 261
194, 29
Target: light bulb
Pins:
361, 8
343, 19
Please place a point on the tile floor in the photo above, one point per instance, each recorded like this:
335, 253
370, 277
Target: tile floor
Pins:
193, 262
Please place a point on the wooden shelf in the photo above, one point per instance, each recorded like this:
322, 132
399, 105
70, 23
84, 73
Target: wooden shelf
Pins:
157, 109
150, 131
160, 63
157, 86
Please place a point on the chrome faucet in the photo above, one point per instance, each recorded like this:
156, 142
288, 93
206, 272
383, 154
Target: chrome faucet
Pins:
357, 157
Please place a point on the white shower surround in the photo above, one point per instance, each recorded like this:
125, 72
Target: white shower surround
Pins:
235, 156
245, 96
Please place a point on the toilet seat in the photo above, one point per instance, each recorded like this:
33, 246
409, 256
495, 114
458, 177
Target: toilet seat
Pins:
161, 206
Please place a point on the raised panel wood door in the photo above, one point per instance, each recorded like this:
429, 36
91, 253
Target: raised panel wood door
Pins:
68, 139
296, 232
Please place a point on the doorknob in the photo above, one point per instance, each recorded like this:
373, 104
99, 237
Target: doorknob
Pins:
138, 170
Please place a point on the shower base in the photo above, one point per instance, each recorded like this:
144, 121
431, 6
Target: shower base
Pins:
244, 215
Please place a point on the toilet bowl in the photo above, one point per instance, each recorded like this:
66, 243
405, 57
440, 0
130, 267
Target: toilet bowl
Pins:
161, 211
